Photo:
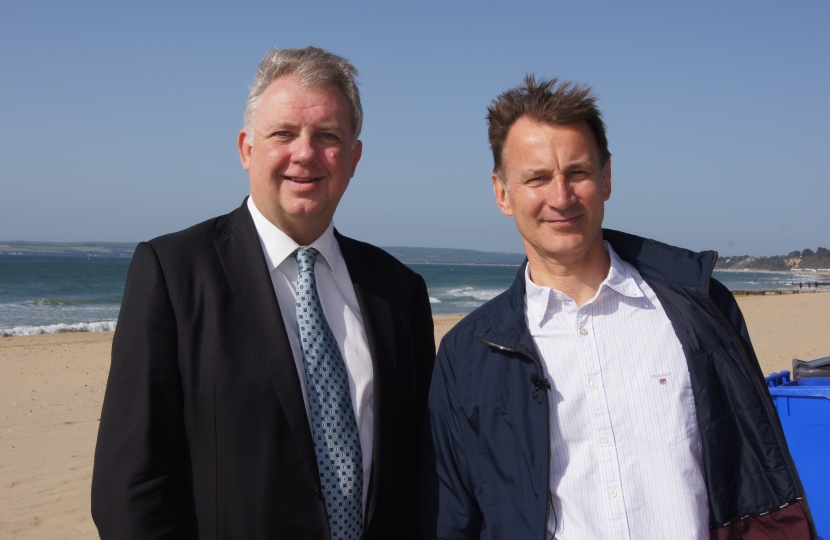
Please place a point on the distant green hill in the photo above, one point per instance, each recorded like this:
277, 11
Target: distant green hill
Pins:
453, 256
807, 259
70, 249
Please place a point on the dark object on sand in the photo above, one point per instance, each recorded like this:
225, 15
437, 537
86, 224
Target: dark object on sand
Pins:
811, 368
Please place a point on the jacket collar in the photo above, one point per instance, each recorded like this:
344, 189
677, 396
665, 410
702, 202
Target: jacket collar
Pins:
239, 250
655, 261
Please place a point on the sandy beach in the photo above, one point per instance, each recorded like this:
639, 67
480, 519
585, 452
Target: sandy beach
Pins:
51, 390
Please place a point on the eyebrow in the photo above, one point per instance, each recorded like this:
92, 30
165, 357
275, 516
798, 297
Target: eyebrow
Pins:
530, 173
328, 127
282, 125
292, 126
580, 165
570, 167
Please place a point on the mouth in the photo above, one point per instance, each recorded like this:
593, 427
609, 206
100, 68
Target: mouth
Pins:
299, 180
567, 221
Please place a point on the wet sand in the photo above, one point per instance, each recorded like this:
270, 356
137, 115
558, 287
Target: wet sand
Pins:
52, 386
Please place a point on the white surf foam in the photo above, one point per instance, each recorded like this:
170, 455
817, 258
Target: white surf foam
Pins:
482, 295
103, 326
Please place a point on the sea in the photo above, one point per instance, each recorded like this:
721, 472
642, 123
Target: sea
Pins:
52, 294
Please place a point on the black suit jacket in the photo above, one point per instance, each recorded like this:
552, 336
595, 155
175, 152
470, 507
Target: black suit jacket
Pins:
204, 433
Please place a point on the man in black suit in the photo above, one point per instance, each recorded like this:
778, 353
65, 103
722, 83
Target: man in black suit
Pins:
269, 375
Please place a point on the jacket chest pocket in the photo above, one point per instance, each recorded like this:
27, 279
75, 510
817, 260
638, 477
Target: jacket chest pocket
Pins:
661, 404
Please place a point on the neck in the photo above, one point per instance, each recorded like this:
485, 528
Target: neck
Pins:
302, 232
579, 276
304, 236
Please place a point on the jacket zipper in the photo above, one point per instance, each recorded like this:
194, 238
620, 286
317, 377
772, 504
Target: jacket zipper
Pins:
547, 415
764, 391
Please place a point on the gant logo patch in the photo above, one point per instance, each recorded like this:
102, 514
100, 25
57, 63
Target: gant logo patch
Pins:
661, 378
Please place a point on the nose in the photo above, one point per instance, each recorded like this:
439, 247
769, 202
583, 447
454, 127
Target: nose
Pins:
303, 151
559, 193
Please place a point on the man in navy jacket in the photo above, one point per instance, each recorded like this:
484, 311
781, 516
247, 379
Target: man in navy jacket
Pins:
612, 391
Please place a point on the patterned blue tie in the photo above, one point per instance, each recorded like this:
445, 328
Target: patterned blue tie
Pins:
334, 429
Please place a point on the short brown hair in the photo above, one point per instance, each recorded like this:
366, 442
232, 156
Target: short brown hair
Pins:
568, 103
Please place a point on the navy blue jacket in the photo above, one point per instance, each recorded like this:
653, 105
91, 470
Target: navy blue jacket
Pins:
486, 458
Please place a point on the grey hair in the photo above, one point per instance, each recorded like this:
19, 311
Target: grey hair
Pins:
314, 68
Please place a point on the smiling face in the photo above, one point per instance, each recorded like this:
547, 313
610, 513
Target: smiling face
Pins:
556, 190
299, 156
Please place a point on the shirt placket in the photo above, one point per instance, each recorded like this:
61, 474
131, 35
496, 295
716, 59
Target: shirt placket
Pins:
604, 442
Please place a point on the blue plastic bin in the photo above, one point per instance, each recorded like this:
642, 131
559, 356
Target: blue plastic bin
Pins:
777, 379
804, 408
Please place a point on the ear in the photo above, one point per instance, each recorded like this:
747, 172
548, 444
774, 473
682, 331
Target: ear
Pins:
606, 180
357, 152
244, 149
502, 200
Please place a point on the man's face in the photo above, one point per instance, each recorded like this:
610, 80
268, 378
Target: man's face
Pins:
299, 156
556, 188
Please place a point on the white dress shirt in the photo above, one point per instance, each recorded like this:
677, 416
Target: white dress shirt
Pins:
342, 312
625, 448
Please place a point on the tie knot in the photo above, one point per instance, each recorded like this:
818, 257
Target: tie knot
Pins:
305, 259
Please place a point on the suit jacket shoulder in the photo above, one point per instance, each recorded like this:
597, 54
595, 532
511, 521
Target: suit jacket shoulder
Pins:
365, 255
182, 245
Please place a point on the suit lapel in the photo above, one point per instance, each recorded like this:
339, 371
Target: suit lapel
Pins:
370, 288
244, 264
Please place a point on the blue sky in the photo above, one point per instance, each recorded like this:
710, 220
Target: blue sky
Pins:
118, 121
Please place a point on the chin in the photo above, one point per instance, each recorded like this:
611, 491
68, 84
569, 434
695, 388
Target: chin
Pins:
565, 247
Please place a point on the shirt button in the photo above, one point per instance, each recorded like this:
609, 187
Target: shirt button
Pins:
560, 297
604, 439
613, 494
583, 331
593, 384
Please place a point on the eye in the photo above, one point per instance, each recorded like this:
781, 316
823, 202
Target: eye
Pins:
537, 180
578, 174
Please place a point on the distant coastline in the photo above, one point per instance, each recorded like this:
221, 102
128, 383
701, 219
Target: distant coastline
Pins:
68, 249
461, 263
416, 255
795, 271
795, 261
807, 262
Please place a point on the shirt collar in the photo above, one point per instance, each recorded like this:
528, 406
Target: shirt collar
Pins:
542, 302
622, 277
537, 298
278, 246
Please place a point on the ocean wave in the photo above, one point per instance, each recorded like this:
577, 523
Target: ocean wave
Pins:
433, 300
55, 302
470, 292
103, 326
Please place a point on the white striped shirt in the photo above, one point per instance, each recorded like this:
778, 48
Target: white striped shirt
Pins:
625, 447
